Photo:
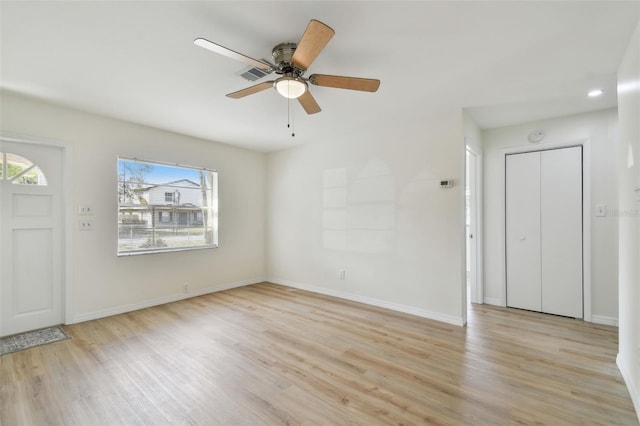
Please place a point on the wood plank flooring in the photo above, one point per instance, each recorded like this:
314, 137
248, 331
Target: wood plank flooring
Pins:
270, 355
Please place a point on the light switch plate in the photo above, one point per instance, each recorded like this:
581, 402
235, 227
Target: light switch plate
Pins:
85, 209
85, 225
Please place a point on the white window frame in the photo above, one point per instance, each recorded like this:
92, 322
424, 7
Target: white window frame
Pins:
147, 230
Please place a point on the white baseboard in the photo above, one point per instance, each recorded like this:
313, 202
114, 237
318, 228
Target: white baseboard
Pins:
599, 319
634, 392
449, 319
494, 301
162, 300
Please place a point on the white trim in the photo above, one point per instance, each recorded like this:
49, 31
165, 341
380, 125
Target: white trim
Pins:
162, 300
601, 319
69, 216
495, 301
586, 215
634, 392
68, 211
477, 296
449, 319
586, 231
463, 238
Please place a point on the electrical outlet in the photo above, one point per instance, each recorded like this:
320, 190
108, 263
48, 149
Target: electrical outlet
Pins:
341, 274
85, 225
185, 288
85, 209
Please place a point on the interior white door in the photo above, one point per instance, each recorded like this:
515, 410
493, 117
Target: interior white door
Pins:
31, 248
474, 280
522, 215
561, 223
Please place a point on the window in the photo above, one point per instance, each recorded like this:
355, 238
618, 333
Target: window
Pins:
165, 217
165, 207
20, 170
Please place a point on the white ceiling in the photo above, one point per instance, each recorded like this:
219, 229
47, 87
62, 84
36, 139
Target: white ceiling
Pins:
507, 62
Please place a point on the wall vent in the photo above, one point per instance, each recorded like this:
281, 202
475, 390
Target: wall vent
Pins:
252, 73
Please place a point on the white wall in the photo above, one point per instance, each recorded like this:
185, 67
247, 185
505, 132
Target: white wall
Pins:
370, 204
471, 133
106, 284
600, 128
629, 217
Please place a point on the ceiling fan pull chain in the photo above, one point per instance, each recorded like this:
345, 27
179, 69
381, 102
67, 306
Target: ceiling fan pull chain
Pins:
293, 125
290, 118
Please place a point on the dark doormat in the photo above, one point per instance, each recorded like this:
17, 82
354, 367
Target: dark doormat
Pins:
27, 340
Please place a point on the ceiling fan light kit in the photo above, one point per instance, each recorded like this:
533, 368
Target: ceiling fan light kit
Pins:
291, 87
291, 62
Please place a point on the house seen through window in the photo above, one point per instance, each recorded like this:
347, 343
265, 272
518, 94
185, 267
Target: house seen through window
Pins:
165, 207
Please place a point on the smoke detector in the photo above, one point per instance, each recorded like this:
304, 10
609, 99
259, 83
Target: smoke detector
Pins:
536, 136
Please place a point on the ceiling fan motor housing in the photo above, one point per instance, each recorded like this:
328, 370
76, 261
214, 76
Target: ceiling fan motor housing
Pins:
282, 55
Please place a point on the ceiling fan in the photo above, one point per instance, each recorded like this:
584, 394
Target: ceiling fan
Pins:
291, 62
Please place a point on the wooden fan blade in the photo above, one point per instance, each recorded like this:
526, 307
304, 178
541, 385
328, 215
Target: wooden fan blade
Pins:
251, 90
309, 103
209, 45
340, 82
314, 39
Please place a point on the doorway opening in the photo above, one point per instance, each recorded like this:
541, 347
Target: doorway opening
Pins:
473, 220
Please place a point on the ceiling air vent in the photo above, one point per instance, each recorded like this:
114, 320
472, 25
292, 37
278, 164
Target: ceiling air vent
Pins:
252, 73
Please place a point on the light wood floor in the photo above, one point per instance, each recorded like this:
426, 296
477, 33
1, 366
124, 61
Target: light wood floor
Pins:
268, 355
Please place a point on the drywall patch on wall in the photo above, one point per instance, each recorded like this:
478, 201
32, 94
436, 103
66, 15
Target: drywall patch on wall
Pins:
370, 204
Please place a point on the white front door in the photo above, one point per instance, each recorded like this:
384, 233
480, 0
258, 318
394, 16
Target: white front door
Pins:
31, 244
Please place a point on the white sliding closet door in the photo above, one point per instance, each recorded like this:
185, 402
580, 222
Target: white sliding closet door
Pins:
561, 225
543, 214
523, 231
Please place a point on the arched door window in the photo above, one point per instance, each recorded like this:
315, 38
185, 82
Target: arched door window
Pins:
20, 170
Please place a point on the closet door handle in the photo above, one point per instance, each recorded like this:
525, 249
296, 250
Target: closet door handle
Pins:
523, 238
